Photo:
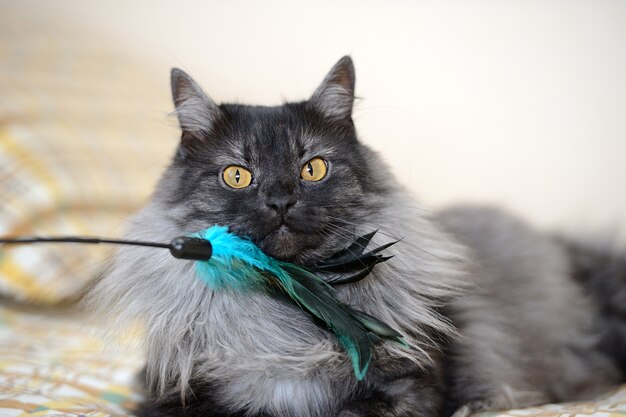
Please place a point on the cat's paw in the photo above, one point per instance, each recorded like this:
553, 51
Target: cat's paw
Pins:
503, 399
366, 409
465, 411
498, 403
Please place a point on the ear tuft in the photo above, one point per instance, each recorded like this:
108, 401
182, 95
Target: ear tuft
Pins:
335, 95
196, 112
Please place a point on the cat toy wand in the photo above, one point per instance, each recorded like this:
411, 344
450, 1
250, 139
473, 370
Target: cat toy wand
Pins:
183, 247
225, 260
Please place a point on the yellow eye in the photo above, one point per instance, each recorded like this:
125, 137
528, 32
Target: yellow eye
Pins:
314, 170
237, 177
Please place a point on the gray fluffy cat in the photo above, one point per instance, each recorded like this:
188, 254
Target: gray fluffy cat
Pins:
496, 314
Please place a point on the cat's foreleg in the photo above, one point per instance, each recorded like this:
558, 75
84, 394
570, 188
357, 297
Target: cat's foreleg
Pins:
414, 395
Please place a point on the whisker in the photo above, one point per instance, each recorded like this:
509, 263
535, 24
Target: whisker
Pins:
362, 246
365, 226
382, 232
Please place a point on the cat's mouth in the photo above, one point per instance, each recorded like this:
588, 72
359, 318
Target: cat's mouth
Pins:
299, 242
282, 243
289, 243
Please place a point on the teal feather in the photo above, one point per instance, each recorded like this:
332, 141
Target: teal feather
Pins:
239, 264
235, 263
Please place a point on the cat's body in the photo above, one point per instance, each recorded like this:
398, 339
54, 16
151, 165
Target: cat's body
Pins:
490, 308
529, 333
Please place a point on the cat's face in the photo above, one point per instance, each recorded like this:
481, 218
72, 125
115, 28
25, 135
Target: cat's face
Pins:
292, 178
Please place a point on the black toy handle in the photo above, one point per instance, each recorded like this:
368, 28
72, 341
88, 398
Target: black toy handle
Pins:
192, 248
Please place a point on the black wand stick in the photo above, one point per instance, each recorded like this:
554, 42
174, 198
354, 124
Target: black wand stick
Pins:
183, 247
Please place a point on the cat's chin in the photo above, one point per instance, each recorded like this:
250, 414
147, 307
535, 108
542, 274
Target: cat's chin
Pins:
284, 244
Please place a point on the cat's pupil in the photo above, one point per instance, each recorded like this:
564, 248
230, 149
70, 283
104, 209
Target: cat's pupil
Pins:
309, 169
237, 176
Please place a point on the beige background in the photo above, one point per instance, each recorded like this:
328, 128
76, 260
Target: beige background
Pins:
517, 103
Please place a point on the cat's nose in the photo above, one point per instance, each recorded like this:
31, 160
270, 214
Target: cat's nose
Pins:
281, 203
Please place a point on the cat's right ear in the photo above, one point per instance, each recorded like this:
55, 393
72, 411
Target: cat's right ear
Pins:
196, 112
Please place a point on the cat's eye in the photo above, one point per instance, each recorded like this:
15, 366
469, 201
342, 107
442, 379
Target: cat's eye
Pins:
314, 170
237, 177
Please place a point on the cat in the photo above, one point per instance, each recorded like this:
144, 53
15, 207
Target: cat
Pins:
496, 315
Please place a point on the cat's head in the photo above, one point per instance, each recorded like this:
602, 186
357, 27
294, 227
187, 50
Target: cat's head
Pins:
293, 178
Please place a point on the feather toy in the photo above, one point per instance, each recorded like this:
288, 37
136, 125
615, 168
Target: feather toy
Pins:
239, 264
224, 260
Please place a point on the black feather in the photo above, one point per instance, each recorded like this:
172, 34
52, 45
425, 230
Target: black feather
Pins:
352, 252
349, 261
335, 278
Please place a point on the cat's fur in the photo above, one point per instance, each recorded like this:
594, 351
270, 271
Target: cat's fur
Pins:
490, 307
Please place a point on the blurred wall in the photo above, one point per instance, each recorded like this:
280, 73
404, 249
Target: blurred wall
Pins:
518, 103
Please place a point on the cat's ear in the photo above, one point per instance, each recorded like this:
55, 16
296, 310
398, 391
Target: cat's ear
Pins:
335, 95
195, 110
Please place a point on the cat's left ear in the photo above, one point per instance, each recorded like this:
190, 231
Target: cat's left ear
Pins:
335, 96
